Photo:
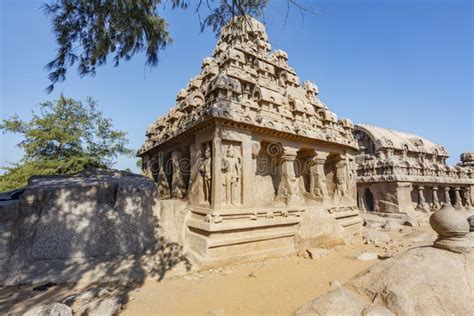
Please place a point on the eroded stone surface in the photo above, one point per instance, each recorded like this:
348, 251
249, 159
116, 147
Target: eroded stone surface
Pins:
340, 301
54, 309
101, 307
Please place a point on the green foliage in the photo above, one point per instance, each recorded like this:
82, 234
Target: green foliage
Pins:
87, 32
222, 11
64, 137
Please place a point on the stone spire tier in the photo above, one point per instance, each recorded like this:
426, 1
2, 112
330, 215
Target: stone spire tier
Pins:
245, 82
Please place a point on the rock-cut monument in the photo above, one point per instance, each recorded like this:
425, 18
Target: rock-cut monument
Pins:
399, 172
251, 154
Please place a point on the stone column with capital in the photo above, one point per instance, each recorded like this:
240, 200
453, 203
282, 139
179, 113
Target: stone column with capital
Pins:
288, 187
447, 197
216, 171
458, 199
436, 204
467, 197
422, 205
318, 185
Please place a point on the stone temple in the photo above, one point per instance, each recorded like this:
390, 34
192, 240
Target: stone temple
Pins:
399, 173
249, 156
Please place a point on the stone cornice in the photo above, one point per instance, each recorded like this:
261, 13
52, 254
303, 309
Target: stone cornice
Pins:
213, 121
415, 179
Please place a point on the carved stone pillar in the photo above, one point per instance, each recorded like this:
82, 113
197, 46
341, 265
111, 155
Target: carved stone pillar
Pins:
361, 204
422, 205
288, 189
318, 185
216, 183
436, 204
458, 199
447, 197
467, 197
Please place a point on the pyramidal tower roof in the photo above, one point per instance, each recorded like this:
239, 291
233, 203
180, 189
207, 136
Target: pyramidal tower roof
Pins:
247, 83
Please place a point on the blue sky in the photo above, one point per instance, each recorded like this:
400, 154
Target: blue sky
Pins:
405, 65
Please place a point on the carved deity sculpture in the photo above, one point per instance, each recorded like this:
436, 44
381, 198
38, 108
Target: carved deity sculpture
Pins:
146, 171
341, 181
231, 169
322, 187
341, 187
178, 188
205, 171
163, 186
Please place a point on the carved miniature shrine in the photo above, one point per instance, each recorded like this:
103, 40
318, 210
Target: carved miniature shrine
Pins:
251, 150
400, 172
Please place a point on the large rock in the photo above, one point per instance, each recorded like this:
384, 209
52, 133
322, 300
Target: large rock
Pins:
318, 229
420, 237
376, 237
421, 281
92, 216
409, 220
54, 309
391, 225
364, 256
388, 207
101, 307
337, 302
314, 253
86, 296
376, 310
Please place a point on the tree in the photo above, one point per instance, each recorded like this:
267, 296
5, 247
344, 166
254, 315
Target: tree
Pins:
63, 138
89, 31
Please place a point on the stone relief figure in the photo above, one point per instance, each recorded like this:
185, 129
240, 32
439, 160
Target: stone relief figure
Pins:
231, 169
178, 187
341, 187
146, 171
318, 186
315, 186
322, 187
205, 171
163, 186
341, 181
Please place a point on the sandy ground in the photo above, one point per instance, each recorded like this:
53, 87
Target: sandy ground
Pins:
272, 287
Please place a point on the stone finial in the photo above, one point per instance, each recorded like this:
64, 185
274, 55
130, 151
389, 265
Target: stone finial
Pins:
453, 229
280, 55
467, 159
